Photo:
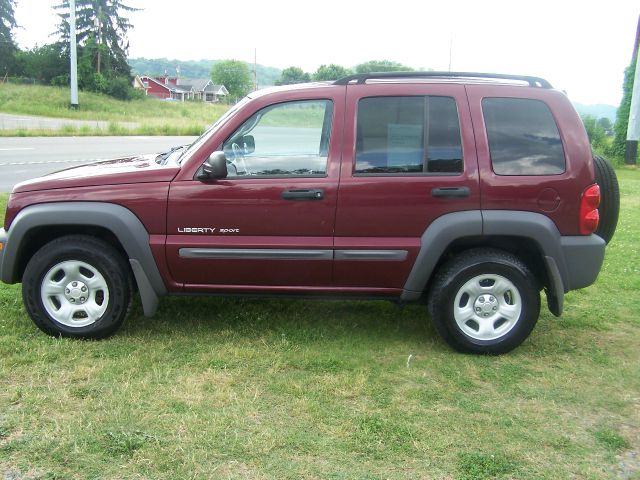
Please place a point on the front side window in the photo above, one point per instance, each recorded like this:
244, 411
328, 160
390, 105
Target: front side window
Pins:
408, 136
286, 139
523, 137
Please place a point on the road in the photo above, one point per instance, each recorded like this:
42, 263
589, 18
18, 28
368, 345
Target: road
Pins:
22, 158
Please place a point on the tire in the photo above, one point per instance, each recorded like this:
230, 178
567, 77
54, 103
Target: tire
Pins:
484, 301
77, 286
609, 198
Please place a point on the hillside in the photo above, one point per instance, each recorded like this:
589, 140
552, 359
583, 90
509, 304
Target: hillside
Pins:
153, 116
195, 69
599, 110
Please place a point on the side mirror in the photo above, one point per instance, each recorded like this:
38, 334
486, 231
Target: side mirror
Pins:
214, 167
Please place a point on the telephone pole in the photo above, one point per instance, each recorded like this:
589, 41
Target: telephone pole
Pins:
255, 69
633, 128
74, 55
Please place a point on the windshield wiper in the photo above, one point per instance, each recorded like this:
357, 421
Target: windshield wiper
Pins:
163, 157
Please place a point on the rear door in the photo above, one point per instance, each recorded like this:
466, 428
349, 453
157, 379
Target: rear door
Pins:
409, 158
269, 224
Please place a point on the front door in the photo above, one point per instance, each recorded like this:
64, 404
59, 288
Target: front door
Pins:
270, 222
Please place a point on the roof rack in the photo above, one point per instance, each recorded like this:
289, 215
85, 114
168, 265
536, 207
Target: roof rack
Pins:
361, 78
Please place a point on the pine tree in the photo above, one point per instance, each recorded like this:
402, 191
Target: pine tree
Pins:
101, 27
7, 45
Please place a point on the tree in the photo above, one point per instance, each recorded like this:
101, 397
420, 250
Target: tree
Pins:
234, 75
331, 72
45, 64
382, 66
622, 116
102, 21
8, 47
605, 124
293, 75
595, 132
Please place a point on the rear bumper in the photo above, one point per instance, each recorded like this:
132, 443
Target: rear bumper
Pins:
583, 257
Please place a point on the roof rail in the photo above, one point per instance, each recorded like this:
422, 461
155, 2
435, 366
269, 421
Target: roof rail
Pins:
361, 78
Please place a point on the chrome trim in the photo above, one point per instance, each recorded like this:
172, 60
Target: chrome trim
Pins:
381, 255
256, 253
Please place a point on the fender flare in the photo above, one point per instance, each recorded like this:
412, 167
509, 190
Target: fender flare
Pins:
433, 243
454, 226
120, 221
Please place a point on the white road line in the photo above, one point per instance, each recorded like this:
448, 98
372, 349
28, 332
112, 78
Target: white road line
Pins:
15, 149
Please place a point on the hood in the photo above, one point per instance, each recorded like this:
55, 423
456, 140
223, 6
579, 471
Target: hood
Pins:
139, 169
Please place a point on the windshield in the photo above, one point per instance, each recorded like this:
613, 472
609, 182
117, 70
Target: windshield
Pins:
202, 138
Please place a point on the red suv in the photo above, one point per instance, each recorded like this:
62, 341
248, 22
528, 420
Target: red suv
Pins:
471, 191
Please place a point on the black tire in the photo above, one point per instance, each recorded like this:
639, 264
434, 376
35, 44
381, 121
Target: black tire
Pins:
477, 268
609, 198
93, 265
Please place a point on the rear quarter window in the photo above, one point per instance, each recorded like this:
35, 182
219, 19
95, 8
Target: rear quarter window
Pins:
523, 137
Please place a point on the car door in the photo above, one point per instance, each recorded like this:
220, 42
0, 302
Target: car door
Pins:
409, 158
269, 224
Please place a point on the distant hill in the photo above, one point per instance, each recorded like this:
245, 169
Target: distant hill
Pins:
195, 69
599, 110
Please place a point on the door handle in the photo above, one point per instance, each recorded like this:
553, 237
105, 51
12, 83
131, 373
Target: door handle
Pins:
314, 194
455, 192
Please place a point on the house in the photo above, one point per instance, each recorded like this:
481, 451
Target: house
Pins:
173, 88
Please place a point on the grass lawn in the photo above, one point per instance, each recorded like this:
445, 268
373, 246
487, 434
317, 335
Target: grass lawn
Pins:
277, 389
155, 117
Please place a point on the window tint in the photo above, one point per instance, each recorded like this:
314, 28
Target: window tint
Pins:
523, 137
408, 135
281, 140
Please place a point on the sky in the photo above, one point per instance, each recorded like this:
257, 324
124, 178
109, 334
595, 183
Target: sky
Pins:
580, 46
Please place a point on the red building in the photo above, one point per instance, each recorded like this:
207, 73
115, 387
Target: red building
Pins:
165, 87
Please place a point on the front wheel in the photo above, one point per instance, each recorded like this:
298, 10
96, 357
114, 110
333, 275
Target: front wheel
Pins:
77, 286
484, 301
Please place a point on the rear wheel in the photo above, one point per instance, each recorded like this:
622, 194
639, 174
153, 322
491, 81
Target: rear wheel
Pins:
77, 286
609, 198
484, 301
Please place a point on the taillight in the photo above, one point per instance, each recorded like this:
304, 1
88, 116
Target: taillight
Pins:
589, 203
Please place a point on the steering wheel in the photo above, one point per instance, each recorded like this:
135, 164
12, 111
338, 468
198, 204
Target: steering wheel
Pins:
238, 156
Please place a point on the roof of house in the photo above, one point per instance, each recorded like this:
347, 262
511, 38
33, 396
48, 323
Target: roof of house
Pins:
217, 89
147, 78
199, 84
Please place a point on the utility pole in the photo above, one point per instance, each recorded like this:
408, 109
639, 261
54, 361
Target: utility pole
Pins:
633, 128
74, 55
99, 30
255, 69
450, 47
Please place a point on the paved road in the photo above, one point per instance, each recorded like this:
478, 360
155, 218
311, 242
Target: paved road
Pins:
9, 121
29, 157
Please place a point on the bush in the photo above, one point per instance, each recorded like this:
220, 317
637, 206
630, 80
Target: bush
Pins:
61, 80
120, 88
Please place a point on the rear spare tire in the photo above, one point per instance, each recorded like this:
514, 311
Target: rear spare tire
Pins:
609, 198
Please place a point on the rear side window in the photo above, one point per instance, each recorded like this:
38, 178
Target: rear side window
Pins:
523, 137
408, 136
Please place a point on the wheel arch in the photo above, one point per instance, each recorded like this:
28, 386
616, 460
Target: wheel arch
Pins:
532, 237
38, 224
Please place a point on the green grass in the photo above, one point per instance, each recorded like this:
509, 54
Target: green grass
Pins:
276, 389
152, 116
